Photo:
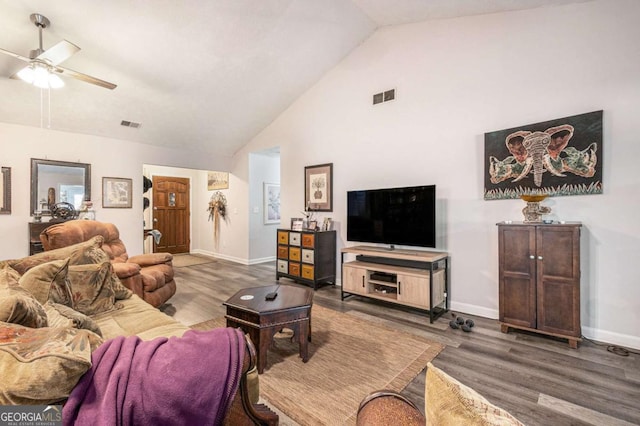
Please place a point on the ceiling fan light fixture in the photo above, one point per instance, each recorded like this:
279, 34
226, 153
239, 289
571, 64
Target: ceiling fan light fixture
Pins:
26, 74
55, 82
40, 76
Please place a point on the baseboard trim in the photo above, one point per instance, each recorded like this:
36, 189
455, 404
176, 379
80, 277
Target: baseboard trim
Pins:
480, 311
262, 260
598, 335
222, 256
611, 337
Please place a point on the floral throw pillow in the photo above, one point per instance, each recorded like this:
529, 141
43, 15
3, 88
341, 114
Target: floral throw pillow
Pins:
17, 305
43, 365
91, 288
48, 281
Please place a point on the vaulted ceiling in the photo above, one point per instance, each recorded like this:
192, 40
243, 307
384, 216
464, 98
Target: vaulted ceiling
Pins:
202, 75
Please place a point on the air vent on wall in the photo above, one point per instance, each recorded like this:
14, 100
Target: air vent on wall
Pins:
386, 96
130, 124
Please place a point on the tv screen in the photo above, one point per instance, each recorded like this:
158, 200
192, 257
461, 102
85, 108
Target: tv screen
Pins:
403, 216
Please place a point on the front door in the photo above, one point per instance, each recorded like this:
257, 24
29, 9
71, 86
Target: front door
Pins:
171, 213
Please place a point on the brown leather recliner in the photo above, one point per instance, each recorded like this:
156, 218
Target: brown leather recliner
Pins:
150, 276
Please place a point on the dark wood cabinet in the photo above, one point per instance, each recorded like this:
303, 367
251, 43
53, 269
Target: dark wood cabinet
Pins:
308, 257
539, 278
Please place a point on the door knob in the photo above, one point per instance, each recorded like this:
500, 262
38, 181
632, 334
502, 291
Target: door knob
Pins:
155, 220
539, 257
532, 257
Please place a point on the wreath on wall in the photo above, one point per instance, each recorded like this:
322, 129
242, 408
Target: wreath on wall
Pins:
217, 211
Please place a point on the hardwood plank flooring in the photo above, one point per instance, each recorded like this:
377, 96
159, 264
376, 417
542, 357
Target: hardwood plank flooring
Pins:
539, 379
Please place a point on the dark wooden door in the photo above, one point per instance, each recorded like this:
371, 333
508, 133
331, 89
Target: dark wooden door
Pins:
171, 211
558, 279
517, 276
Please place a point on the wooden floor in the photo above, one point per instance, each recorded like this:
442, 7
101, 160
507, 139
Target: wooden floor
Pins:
538, 379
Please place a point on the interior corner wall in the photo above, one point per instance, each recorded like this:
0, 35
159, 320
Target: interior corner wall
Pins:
455, 80
263, 168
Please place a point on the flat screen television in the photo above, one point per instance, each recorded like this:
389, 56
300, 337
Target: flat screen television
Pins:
402, 216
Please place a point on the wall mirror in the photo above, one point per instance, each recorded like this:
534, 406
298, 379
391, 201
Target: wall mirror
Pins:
58, 181
5, 190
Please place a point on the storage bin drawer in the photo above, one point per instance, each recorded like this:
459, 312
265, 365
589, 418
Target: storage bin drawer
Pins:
294, 269
308, 240
308, 272
283, 252
294, 238
307, 256
283, 266
283, 237
294, 253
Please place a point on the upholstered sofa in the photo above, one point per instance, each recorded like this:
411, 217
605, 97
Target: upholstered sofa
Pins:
59, 307
150, 276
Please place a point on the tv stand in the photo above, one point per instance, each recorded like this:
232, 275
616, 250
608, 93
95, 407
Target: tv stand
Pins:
414, 278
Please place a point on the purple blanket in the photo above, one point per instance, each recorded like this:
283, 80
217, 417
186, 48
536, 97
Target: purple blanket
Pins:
178, 381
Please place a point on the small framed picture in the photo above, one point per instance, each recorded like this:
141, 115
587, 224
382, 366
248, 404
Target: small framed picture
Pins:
326, 224
217, 180
313, 224
116, 192
318, 187
296, 224
271, 198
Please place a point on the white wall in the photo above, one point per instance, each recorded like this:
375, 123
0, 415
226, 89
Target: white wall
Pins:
232, 241
108, 157
263, 168
457, 79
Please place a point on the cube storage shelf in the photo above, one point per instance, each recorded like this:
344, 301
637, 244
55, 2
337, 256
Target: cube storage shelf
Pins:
307, 257
414, 278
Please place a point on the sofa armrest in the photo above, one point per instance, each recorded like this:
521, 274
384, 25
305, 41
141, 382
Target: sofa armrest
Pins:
150, 259
126, 270
244, 411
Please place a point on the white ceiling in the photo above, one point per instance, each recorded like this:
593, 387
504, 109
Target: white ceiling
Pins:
203, 75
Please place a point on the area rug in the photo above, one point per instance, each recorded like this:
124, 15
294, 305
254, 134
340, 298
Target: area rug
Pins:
349, 358
181, 260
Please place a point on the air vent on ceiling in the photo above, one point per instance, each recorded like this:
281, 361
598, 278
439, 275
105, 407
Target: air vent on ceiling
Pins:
385, 96
130, 124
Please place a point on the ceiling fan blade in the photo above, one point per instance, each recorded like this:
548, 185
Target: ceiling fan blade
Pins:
15, 55
59, 52
84, 77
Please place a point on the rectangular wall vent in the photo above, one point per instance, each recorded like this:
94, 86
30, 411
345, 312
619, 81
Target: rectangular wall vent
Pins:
130, 124
385, 96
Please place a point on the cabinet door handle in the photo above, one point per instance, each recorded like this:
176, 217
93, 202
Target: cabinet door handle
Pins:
532, 256
363, 281
399, 287
539, 257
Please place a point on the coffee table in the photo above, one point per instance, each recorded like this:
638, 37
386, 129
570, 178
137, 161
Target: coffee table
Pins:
261, 318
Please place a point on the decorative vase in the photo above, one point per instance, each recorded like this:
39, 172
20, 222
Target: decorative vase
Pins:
533, 211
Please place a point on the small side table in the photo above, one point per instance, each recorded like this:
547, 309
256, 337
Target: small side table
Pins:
261, 318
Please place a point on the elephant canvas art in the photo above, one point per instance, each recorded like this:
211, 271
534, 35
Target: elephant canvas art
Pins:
556, 157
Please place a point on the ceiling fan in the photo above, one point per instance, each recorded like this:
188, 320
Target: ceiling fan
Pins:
43, 65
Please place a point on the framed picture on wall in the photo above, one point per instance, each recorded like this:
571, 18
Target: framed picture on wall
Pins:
5, 190
271, 195
116, 192
217, 180
318, 187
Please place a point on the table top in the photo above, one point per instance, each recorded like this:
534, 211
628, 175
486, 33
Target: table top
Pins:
289, 297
